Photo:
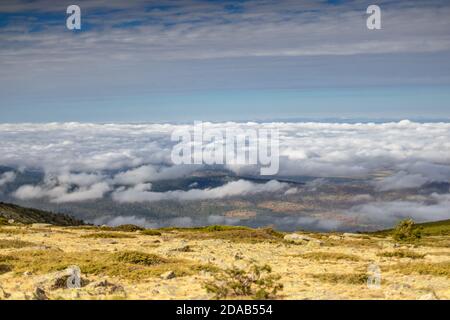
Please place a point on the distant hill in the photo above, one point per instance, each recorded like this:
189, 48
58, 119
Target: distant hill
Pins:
27, 215
436, 228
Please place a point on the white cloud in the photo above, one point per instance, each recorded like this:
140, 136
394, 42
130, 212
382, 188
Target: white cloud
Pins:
401, 180
206, 30
66, 187
88, 160
142, 193
120, 220
387, 213
291, 191
7, 177
152, 173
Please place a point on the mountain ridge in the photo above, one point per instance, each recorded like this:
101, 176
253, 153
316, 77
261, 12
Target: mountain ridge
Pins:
24, 215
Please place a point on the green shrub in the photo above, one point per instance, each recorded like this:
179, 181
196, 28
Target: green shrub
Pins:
136, 257
4, 268
151, 232
406, 231
128, 228
345, 278
427, 268
257, 282
329, 256
106, 235
401, 254
15, 244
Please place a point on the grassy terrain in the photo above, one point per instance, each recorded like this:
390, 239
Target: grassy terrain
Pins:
438, 228
222, 262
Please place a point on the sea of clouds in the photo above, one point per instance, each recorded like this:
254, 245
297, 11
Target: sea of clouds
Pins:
83, 161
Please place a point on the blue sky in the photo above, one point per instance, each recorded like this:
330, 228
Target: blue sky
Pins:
176, 61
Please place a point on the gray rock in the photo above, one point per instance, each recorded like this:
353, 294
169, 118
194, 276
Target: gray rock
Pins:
183, 248
39, 294
41, 225
168, 275
297, 238
428, 296
107, 287
4, 294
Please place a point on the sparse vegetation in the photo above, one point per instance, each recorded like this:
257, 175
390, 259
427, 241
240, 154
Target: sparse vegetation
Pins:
234, 234
124, 228
437, 228
213, 228
14, 244
106, 235
257, 283
401, 254
130, 265
135, 257
4, 268
3, 221
406, 231
329, 256
339, 266
29, 215
151, 232
435, 269
341, 278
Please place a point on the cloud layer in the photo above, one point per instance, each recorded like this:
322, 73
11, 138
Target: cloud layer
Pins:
87, 161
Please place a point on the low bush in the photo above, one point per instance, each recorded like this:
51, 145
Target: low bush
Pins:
257, 282
136, 257
406, 231
150, 232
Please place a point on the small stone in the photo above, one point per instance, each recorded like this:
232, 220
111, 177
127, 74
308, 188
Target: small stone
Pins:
11, 221
333, 237
184, 248
4, 294
39, 294
351, 235
428, 296
315, 243
41, 225
238, 256
296, 238
168, 275
27, 273
108, 287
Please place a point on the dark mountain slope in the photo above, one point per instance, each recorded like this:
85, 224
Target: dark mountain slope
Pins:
28, 215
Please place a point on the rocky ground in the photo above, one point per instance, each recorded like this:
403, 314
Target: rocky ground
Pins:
176, 263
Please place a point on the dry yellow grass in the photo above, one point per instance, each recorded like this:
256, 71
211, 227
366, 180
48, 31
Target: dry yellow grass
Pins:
135, 261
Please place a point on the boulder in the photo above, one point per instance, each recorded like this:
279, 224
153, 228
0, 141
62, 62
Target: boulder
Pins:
39, 294
106, 287
297, 238
168, 275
